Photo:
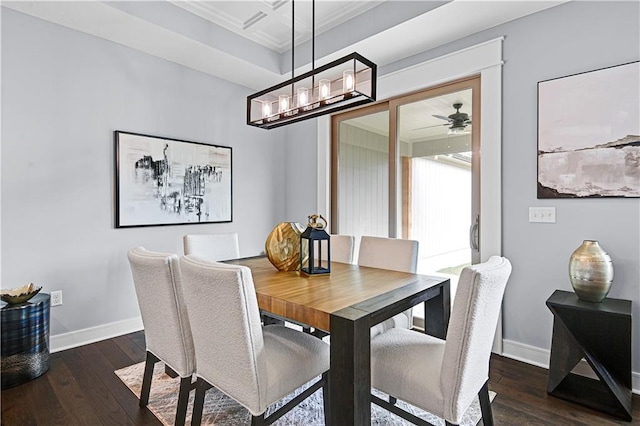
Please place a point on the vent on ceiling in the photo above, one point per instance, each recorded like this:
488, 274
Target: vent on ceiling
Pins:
278, 4
254, 19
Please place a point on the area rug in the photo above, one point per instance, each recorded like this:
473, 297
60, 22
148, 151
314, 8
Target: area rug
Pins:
221, 410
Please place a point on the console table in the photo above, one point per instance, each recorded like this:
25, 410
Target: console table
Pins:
25, 340
601, 334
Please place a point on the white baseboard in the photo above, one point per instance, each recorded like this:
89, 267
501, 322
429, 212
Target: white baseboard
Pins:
73, 339
540, 357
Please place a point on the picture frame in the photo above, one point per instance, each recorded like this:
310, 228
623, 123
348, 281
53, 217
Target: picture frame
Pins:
589, 134
162, 181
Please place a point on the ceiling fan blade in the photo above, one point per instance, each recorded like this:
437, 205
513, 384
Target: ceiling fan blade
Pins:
428, 127
441, 117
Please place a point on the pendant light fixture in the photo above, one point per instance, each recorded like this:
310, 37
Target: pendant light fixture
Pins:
344, 83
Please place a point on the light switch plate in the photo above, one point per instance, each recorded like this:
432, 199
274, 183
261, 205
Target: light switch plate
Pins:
542, 214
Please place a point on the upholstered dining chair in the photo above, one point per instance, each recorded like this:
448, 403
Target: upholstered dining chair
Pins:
255, 365
216, 247
156, 277
443, 377
342, 248
394, 254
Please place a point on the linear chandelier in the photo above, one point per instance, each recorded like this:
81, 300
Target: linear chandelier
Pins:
344, 83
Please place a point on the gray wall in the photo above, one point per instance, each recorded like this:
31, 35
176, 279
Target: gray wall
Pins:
302, 171
577, 37
63, 95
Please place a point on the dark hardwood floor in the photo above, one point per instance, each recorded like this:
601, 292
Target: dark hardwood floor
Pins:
80, 388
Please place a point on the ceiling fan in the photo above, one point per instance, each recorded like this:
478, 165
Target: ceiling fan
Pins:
458, 121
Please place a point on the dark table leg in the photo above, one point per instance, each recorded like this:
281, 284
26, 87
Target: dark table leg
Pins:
437, 311
350, 383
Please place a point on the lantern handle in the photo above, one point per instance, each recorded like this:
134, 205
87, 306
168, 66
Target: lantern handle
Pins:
313, 221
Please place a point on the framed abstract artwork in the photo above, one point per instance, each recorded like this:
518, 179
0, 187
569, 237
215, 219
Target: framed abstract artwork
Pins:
589, 134
163, 181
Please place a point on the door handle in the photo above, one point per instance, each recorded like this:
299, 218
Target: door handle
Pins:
474, 234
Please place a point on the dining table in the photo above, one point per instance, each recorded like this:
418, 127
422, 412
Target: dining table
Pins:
346, 303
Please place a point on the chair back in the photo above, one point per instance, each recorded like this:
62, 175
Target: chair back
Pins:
342, 248
227, 333
472, 326
388, 253
216, 247
156, 277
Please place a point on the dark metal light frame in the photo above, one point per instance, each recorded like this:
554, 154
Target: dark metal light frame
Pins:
364, 91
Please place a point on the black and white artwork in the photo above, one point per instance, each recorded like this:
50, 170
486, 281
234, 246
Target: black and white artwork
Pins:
162, 181
589, 134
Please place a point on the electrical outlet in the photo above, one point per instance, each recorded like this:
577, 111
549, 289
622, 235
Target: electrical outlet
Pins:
56, 298
542, 214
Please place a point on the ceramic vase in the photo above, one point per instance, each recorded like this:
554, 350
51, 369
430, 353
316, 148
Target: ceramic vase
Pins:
590, 272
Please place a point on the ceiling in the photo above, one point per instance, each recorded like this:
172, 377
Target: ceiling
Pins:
268, 22
248, 42
228, 40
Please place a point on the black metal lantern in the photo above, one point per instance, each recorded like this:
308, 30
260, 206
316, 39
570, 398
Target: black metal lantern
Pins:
315, 247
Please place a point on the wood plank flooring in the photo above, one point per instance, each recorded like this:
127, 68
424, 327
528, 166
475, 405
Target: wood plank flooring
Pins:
81, 389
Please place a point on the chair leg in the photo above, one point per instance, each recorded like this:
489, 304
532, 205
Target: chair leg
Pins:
169, 372
146, 378
258, 420
198, 403
326, 398
485, 405
183, 399
269, 320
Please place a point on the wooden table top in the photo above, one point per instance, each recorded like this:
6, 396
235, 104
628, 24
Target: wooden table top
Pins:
311, 300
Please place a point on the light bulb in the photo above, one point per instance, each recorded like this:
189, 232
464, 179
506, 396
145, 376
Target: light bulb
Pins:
458, 130
283, 101
303, 96
325, 88
266, 109
347, 81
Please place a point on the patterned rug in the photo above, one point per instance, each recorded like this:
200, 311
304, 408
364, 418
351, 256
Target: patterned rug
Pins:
219, 409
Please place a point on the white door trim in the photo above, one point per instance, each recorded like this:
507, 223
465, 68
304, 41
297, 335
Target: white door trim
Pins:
484, 59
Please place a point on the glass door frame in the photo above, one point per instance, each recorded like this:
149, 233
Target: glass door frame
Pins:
395, 179
377, 107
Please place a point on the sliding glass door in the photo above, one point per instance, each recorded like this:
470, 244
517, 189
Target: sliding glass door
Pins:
409, 168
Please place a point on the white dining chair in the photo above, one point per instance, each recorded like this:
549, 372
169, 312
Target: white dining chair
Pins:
255, 365
167, 333
216, 247
444, 376
394, 254
342, 248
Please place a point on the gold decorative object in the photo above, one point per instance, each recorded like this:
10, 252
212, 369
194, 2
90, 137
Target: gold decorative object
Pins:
18, 295
283, 246
313, 221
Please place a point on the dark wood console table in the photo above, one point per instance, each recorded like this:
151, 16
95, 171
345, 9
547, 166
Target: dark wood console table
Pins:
601, 334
